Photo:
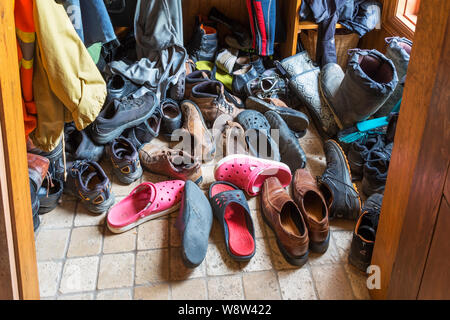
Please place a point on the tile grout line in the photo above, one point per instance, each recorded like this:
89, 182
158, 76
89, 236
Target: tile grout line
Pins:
64, 260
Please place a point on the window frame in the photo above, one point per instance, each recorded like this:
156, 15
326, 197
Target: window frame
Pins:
398, 18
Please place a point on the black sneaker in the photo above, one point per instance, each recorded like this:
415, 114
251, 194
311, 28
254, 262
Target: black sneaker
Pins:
79, 146
358, 153
125, 160
87, 181
122, 114
336, 184
364, 234
376, 170
119, 87
146, 131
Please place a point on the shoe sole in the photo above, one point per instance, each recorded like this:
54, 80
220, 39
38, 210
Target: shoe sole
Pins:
142, 220
288, 118
295, 261
350, 175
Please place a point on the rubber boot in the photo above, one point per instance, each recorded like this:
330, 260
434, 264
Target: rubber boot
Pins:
369, 81
398, 50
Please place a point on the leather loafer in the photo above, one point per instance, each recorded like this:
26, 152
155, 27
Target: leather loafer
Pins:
283, 216
290, 150
314, 209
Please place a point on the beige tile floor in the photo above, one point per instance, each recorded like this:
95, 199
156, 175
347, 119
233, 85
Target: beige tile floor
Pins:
78, 258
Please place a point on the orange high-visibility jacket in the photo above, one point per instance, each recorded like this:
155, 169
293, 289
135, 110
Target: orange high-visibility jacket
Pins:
26, 38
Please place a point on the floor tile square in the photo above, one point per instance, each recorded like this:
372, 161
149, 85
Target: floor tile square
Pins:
85, 241
219, 262
225, 288
60, 217
49, 273
153, 234
116, 271
261, 286
297, 284
118, 294
332, 282
152, 292
51, 244
178, 269
79, 274
261, 260
189, 290
119, 242
152, 266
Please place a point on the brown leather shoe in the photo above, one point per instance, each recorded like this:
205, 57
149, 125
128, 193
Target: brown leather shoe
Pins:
285, 219
37, 168
201, 144
213, 102
314, 209
176, 164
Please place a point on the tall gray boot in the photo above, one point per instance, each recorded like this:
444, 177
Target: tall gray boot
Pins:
368, 82
398, 51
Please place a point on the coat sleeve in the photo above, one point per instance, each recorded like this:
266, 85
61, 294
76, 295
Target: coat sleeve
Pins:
72, 74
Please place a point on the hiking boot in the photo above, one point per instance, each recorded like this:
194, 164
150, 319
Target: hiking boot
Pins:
146, 131
203, 44
363, 240
37, 169
125, 160
358, 153
87, 181
122, 114
336, 184
199, 140
119, 87
176, 164
210, 96
267, 86
376, 170
253, 60
398, 50
55, 158
369, 80
240, 79
195, 78
79, 146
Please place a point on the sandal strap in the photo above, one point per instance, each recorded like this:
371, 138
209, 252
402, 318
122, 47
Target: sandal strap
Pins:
220, 202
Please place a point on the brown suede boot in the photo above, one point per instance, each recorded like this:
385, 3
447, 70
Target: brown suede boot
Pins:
196, 136
213, 101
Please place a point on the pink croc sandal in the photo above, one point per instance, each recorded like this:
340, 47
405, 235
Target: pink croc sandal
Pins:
146, 202
249, 173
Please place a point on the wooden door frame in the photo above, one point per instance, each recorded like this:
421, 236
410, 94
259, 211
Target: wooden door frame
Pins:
16, 223
419, 160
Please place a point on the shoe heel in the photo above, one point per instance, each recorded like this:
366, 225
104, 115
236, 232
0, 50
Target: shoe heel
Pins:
320, 247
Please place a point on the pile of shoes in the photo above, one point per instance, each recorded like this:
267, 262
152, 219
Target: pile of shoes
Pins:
234, 109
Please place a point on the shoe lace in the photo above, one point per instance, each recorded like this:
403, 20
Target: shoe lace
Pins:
322, 179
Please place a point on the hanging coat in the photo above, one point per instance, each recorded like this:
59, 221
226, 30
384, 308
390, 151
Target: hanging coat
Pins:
67, 85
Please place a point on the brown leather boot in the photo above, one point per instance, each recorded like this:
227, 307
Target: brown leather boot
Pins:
197, 139
176, 164
314, 209
37, 168
285, 219
212, 100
